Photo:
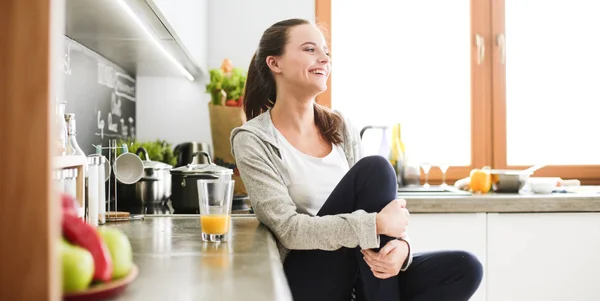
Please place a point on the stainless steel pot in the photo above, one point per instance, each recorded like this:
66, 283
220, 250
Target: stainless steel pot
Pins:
149, 191
184, 197
187, 153
155, 186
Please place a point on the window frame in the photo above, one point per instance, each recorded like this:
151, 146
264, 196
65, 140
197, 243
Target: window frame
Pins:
587, 174
481, 114
488, 98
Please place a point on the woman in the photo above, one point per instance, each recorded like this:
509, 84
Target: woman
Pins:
329, 208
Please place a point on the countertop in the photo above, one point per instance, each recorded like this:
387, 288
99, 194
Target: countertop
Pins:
175, 264
496, 202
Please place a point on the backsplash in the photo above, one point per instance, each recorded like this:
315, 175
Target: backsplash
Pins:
101, 94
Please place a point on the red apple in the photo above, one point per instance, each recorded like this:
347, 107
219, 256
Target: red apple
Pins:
69, 204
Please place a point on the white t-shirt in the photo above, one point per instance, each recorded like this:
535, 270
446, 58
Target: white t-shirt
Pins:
312, 178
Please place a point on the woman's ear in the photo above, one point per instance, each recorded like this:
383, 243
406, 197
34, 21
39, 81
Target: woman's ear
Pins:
273, 64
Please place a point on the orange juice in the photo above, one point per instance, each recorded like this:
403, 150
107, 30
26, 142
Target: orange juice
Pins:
214, 223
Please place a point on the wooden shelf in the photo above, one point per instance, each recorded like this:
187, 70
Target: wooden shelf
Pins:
79, 162
61, 162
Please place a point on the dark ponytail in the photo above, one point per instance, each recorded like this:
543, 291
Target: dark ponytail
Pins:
260, 91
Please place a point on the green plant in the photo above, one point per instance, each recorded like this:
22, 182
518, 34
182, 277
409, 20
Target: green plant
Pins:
230, 84
234, 84
158, 150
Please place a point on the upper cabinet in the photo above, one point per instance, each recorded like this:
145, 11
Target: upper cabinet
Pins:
189, 20
144, 37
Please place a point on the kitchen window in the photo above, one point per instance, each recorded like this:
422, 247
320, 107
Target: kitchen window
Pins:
473, 83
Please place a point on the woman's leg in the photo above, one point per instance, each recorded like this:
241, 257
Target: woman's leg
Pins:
330, 275
441, 276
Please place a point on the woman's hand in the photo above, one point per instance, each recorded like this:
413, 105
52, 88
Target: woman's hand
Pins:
393, 219
389, 260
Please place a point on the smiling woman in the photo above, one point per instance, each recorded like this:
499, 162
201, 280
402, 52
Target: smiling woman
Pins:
332, 209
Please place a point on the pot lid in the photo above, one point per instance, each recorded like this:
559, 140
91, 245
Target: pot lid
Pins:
195, 169
156, 165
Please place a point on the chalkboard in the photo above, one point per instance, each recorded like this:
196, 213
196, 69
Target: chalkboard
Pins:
100, 94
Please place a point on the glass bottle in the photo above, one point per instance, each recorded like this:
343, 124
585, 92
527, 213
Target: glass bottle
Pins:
61, 127
72, 145
397, 155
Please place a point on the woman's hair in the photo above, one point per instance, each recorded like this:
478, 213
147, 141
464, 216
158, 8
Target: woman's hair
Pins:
260, 90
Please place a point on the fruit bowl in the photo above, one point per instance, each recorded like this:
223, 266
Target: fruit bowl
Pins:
104, 290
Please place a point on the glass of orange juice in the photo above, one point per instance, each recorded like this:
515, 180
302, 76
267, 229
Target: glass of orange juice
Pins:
215, 197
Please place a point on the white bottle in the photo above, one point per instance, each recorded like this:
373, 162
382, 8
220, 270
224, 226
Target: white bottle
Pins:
92, 202
72, 145
101, 192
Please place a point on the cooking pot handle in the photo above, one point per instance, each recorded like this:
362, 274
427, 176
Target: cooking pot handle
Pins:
206, 176
141, 149
371, 127
203, 153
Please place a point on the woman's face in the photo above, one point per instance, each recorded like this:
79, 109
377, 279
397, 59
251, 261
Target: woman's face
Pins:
305, 64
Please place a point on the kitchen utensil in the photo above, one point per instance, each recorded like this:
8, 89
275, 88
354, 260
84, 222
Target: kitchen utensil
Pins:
381, 145
443, 168
185, 153
511, 180
426, 168
128, 167
184, 191
542, 185
155, 186
149, 191
533, 169
105, 162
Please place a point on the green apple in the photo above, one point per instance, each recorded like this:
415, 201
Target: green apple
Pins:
77, 267
120, 250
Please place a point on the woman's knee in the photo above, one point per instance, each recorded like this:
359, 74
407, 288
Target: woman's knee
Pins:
377, 166
375, 182
470, 267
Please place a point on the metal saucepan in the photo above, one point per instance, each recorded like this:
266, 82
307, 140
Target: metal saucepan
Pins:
155, 186
184, 197
511, 180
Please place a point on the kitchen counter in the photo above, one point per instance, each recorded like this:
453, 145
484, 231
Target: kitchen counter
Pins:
175, 264
489, 203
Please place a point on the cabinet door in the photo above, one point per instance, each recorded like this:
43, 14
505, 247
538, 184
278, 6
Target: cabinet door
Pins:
544, 256
189, 20
434, 232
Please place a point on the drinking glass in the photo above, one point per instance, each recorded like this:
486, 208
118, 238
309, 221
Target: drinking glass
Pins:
426, 168
214, 199
444, 168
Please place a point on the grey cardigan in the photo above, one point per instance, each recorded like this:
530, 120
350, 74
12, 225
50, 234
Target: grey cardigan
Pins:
255, 147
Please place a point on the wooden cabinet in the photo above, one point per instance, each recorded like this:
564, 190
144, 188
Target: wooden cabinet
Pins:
431, 232
543, 256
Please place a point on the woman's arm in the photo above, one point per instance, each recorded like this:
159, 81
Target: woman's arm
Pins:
274, 207
353, 135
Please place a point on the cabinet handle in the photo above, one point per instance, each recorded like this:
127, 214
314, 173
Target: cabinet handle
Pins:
480, 43
501, 41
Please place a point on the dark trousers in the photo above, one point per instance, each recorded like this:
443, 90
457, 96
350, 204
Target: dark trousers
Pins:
332, 275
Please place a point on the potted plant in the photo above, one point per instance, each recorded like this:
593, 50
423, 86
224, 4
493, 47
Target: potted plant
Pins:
226, 88
226, 85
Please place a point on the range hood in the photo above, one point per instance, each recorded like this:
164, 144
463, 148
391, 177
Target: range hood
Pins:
107, 28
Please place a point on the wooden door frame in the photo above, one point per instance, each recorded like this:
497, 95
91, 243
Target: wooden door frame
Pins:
29, 223
323, 20
481, 103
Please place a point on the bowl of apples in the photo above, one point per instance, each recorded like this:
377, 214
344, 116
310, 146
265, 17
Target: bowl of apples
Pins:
96, 262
